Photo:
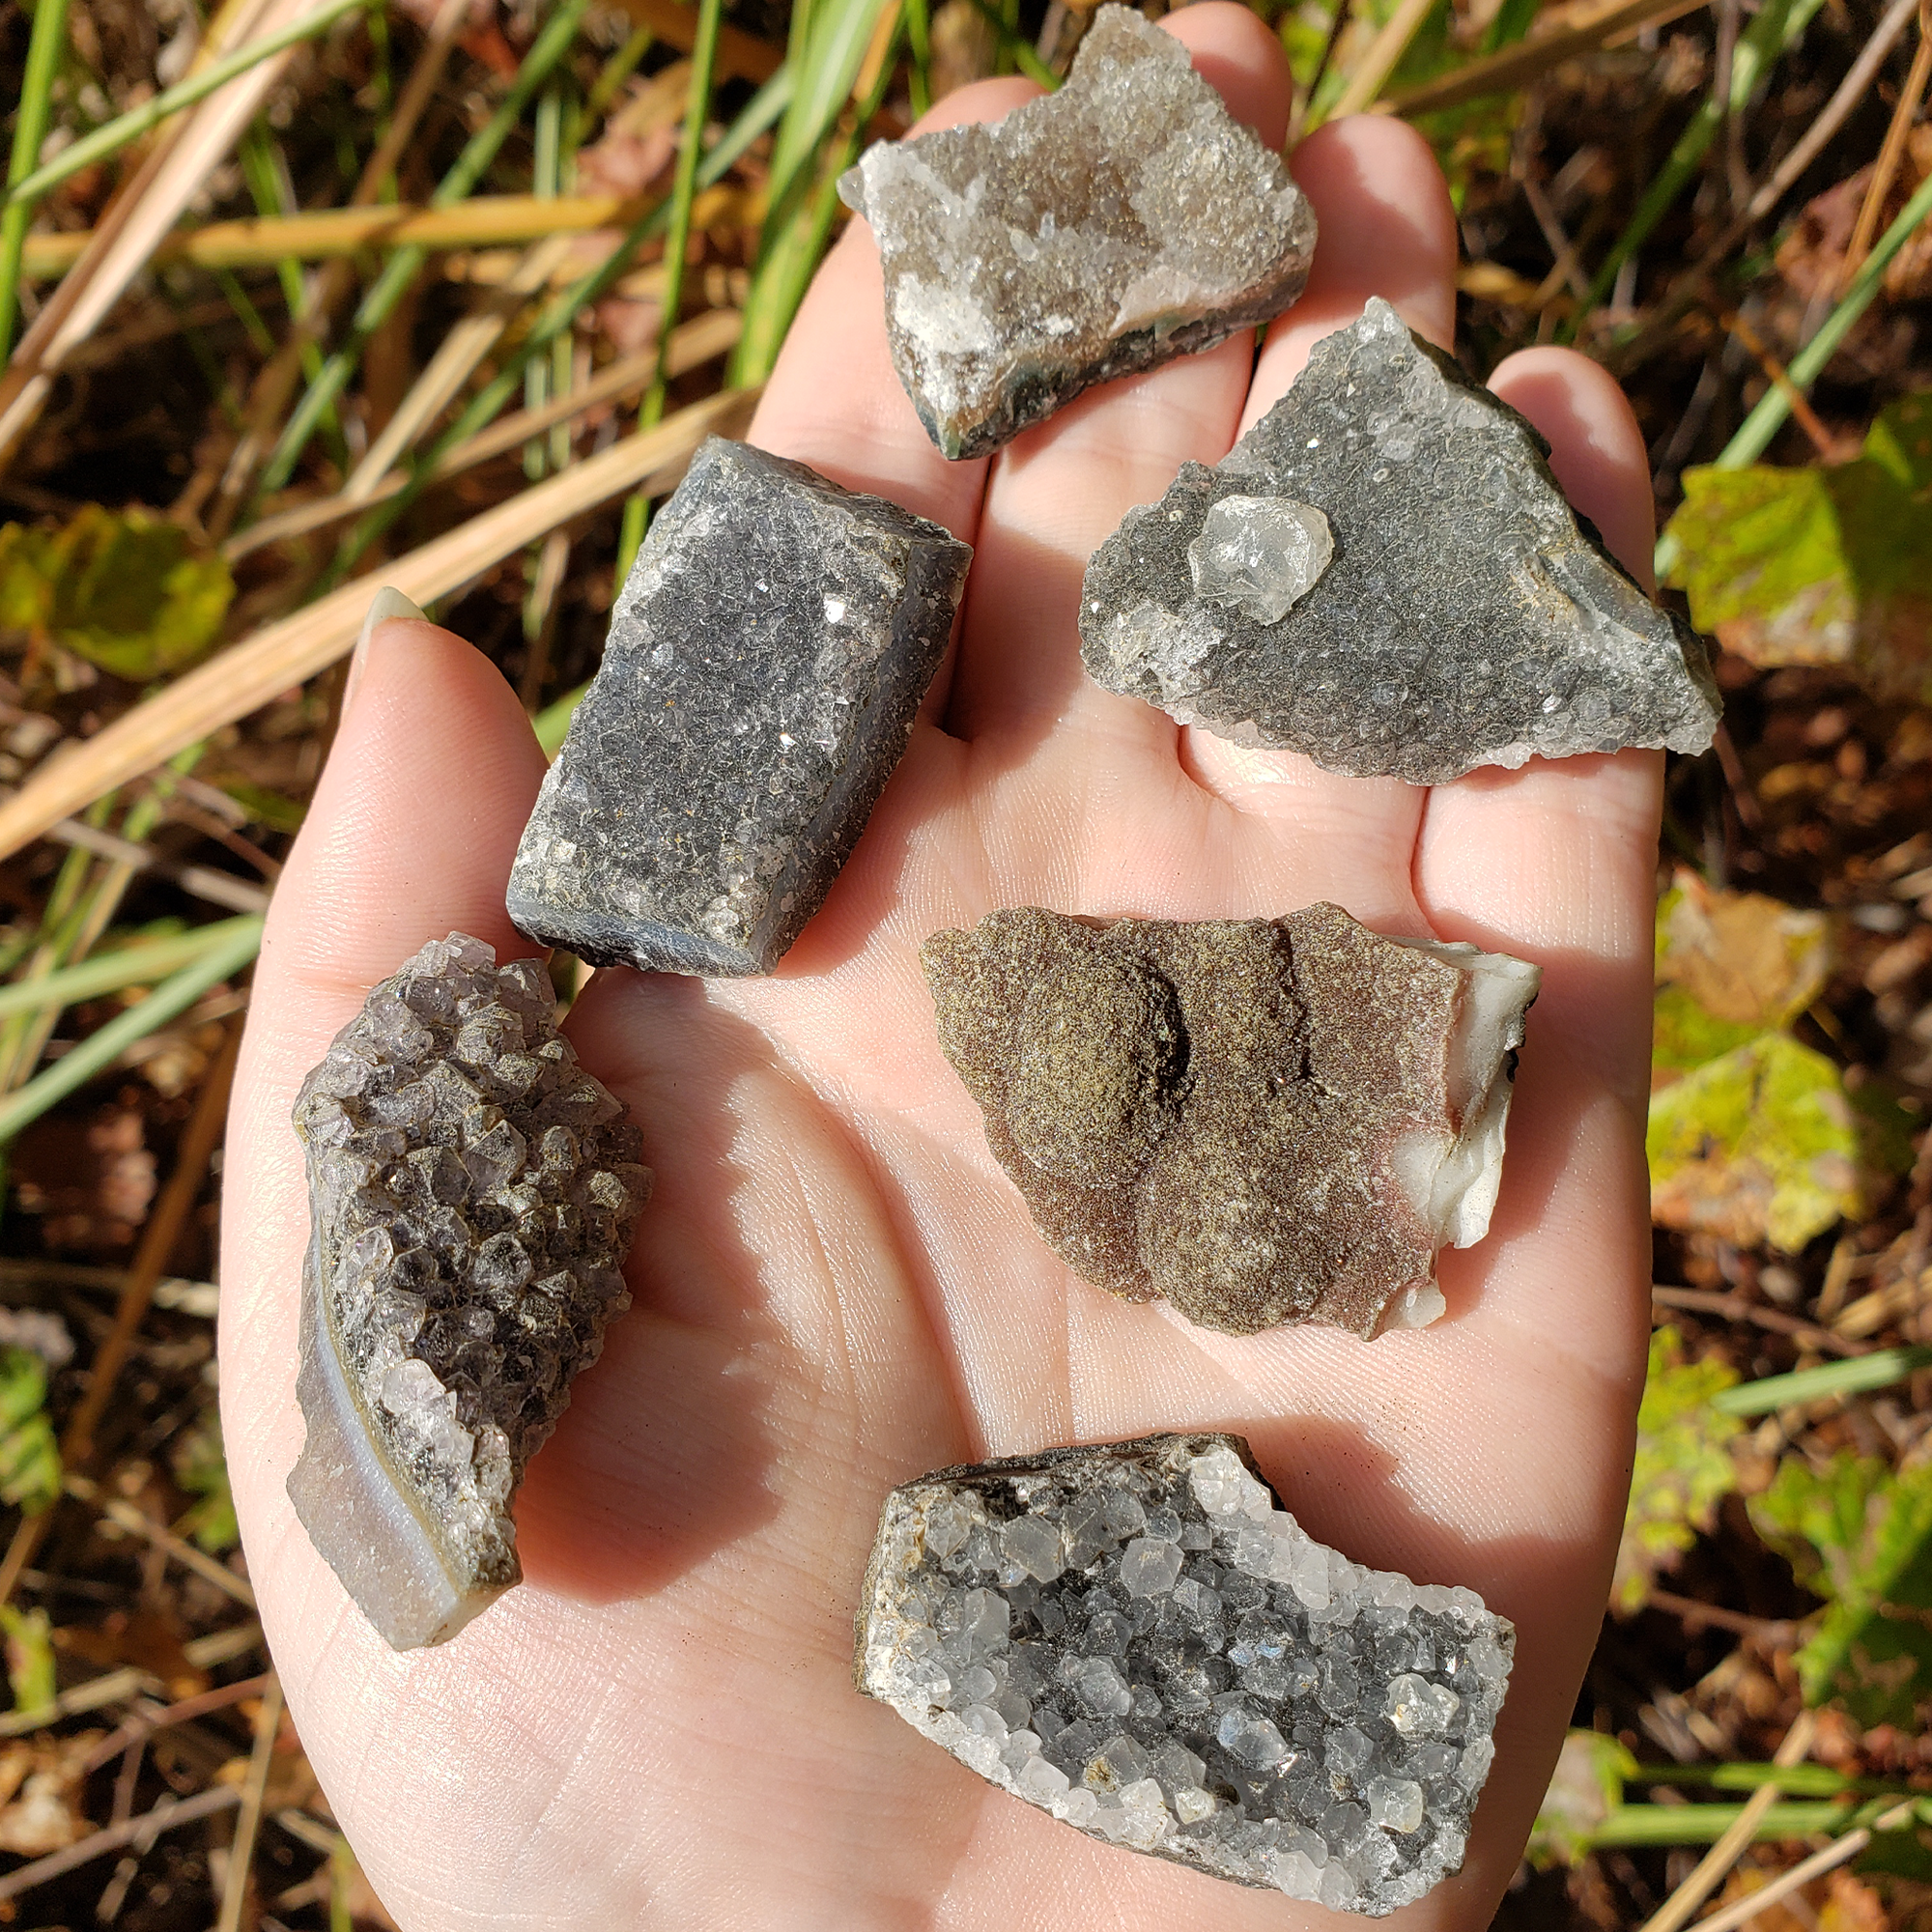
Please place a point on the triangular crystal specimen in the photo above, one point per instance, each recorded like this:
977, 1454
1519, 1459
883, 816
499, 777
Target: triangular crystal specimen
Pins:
472, 1193
1137, 1639
1126, 219
1263, 1120
1384, 574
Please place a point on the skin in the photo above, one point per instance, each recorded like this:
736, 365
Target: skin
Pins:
835, 1290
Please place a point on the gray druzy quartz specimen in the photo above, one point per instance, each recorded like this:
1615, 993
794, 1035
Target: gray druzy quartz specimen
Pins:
1384, 574
1136, 1638
765, 664
1263, 1120
472, 1193
1123, 220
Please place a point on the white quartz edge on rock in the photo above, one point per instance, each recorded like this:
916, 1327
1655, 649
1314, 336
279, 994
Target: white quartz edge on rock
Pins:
1453, 1187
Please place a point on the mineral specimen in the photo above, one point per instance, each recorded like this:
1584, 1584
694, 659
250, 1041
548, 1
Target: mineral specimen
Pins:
472, 1193
765, 663
1126, 219
1265, 1120
1384, 574
1135, 1638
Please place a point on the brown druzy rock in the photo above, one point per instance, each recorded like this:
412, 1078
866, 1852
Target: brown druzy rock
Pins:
1262, 1120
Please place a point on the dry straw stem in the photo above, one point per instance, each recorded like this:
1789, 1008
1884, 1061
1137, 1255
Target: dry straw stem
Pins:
333, 234
125, 1516
1734, 1917
1677, 1909
142, 1830
1365, 83
695, 343
254, 1788
248, 675
174, 172
1893, 153
1585, 30
740, 56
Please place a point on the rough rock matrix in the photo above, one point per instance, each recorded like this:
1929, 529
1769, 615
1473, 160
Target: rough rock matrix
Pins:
472, 1193
1466, 616
1126, 219
1135, 1638
765, 664
1263, 1120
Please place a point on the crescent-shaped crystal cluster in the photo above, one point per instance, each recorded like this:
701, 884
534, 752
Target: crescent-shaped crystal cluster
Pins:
1262, 1120
1384, 574
473, 1192
1139, 1640
1121, 221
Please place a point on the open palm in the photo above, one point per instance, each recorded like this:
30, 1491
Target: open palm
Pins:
836, 1289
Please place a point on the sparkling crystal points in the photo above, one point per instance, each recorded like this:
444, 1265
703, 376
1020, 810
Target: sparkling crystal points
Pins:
1185, 1722
472, 1193
1466, 616
766, 660
1263, 1122
1121, 220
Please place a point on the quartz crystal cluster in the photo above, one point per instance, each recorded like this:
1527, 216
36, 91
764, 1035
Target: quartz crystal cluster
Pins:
473, 1192
1263, 1120
1384, 574
1135, 1638
1125, 220
766, 661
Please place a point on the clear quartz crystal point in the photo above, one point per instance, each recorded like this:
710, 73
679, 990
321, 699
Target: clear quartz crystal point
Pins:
1253, 1705
1261, 555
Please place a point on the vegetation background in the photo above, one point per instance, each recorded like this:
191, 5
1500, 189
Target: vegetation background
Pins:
295, 289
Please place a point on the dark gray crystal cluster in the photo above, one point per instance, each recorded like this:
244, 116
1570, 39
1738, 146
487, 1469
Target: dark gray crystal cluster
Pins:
1384, 574
1123, 220
765, 664
1263, 1120
1135, 1638
472, 1193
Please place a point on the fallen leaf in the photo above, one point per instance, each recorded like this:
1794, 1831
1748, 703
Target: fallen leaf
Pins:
40, 1784
1811, 258
1830, 565
123, 590
1683, 1467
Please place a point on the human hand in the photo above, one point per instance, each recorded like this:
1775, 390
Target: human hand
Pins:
836, 1289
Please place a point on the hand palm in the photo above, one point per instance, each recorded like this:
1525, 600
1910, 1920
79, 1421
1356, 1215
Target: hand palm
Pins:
836, 1289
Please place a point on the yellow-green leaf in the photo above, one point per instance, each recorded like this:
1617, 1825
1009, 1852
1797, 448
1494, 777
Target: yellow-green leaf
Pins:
1683, 1468
202, 1469
29, 1465
1824, 566
1758, 1145
30, 1657
123, 590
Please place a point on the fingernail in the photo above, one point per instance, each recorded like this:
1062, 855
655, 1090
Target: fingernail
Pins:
389, 602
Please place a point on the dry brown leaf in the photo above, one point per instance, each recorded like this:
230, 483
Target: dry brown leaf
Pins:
1744, 958
1811, 258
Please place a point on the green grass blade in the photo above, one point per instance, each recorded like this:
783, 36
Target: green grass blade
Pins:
30, 129
1016, 48
758, 115
1632, 1825
101, 1048
677, 246
139, 120
138, 965
1854, 1375
405, 264
604, 90
918, 52
840, 32
1773, 31
553, 723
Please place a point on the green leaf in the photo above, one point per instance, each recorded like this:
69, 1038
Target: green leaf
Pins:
1856, 1533
1683, 1468
29, 1465
1587, 1786
123, 590
30, 1657
200, 1468
1822, 566
1758, 1145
